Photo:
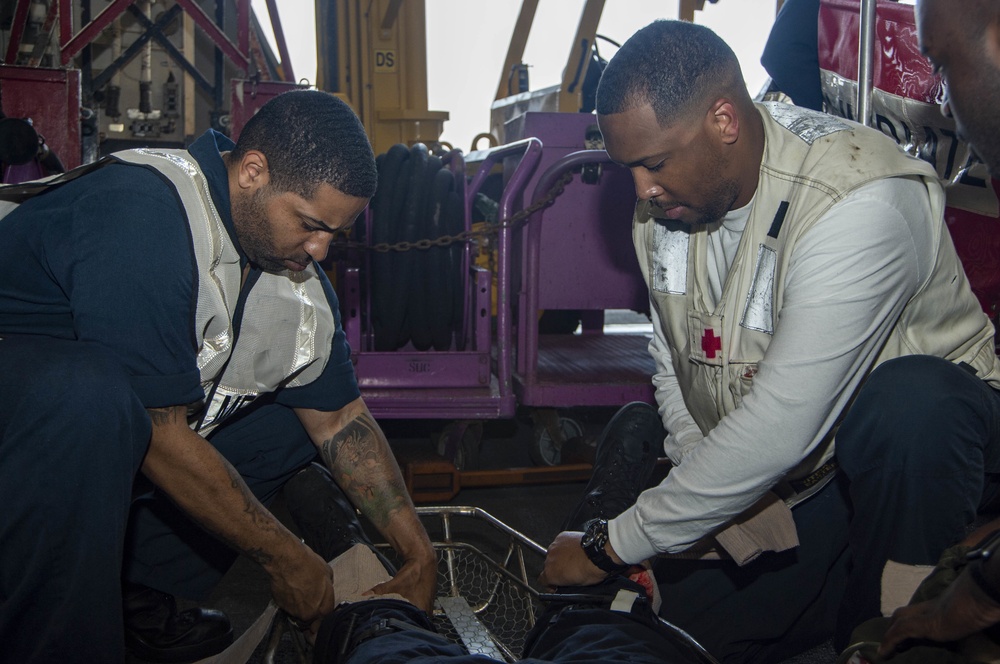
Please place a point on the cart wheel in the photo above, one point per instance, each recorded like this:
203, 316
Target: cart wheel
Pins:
461, 443
547, 452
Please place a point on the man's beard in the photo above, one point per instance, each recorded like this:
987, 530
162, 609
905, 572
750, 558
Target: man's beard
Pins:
720, 202
254, 231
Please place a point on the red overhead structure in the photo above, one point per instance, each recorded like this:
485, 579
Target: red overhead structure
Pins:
904, 104
54, 98
50, 98
71, 44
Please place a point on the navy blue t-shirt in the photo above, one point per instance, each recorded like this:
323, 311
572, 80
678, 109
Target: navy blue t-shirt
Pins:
108, 258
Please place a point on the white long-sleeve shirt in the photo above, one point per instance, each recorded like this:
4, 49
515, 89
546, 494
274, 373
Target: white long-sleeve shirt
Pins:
852, 274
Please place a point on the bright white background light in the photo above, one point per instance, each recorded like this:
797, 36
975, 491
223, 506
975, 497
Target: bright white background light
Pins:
467, 41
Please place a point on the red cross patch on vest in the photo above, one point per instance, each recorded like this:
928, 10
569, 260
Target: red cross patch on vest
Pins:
710, 344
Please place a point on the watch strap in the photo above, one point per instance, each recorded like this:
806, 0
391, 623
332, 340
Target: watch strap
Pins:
596, 537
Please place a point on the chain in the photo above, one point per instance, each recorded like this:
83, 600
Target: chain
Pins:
494, 229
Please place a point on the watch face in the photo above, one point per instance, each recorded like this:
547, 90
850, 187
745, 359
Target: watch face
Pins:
593, 535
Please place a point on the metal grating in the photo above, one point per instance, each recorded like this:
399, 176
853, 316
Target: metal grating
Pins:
495, 586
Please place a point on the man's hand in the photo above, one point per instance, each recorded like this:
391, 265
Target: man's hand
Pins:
416, 581
205, 486
566, 563
962, 609
302, 585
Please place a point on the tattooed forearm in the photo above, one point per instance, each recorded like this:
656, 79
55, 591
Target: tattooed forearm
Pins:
361, 461
359, 433
259, 556
258, 516
251, 507
203, 484
163, 416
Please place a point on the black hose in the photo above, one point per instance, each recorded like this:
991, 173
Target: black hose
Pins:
417, 295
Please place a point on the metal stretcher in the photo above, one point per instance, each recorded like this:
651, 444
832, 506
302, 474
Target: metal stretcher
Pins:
487, 600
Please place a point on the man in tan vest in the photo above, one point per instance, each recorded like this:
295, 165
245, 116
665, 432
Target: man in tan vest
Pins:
803, 287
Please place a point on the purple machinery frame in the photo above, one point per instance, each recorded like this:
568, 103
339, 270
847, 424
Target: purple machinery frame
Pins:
472, 384
579, 255
574, 255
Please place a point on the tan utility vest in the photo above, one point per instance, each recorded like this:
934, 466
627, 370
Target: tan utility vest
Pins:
287, 326
811, 161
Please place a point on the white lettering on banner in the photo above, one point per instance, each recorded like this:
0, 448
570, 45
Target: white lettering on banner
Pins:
670, 258
922, 131
758, 314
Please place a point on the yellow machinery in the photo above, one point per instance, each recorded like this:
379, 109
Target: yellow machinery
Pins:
373, 53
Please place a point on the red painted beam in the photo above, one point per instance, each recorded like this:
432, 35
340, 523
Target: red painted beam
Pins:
279, 37
205, 23
50, 18
243, 25
17, 30
90, 31
65, 21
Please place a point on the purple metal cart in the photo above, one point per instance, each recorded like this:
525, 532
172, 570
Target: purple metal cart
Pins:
470, 384
587, 232
577, 256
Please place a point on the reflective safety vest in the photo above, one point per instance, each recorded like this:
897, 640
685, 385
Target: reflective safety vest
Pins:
284, 332
811, 161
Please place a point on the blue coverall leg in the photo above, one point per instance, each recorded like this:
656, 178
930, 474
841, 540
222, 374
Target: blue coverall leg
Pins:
376, 631
72, 436
922, 453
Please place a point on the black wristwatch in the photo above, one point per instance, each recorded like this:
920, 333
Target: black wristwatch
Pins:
594, 538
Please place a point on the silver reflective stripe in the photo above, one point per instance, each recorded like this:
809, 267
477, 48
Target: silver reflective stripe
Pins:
758, 314
807, 125
474, 635
670, 259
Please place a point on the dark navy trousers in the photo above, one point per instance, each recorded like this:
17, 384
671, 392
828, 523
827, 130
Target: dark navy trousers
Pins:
919, 455
72, 439
561, 634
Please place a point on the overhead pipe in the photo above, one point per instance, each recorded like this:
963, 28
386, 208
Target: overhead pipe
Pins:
114, 90
866, 60
146, 66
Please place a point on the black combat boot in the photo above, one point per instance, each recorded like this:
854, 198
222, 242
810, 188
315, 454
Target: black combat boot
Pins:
155, 631
626, 454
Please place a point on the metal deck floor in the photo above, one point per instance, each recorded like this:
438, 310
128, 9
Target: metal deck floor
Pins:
594, 358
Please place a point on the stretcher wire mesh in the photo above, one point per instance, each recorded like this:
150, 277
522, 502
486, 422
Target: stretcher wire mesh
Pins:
490, 566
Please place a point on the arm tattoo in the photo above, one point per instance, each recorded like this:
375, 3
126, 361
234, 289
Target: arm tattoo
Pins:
162, 416
362, 464
255, 511
258, 516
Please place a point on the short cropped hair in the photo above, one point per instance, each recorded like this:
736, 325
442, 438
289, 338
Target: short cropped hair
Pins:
672, 65
311, 137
